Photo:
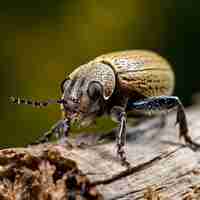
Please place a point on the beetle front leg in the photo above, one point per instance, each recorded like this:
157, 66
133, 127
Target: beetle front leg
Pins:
60, 129
166, 103
63, 132
118, 114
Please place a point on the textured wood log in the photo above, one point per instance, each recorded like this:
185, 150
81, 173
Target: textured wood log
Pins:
162, 167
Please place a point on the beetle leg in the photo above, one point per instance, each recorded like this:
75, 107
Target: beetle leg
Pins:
163, 119
65, 130
60, 129
166, 103
118, 114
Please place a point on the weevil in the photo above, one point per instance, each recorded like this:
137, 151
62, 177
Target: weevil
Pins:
114, 84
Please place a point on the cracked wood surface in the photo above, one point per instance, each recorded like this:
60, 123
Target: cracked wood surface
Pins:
161, 166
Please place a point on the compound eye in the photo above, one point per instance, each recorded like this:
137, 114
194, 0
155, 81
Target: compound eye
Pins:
95, 90
65, 83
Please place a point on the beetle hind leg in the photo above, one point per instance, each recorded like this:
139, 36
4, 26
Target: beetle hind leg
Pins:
163, 120
167, 103
183, 128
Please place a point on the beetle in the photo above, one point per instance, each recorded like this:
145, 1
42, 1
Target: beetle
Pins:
114, 84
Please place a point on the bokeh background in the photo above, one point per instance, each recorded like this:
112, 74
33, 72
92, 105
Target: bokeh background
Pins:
42, 41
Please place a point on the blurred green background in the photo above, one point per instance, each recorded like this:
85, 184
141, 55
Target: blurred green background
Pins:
42, 41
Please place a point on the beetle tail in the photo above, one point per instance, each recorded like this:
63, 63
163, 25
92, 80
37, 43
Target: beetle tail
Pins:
34, 103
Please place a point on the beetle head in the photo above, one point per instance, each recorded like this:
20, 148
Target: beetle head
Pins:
85, 92
84, 98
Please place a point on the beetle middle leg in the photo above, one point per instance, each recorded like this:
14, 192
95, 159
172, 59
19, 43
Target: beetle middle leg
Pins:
118, 114
166, 103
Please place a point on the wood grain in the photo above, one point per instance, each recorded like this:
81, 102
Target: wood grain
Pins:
162, 167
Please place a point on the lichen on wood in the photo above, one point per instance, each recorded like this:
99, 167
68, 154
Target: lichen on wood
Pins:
42, 172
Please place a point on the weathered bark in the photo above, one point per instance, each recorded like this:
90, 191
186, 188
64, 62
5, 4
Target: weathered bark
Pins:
161, 167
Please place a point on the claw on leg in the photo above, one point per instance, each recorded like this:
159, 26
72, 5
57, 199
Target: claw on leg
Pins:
122, 155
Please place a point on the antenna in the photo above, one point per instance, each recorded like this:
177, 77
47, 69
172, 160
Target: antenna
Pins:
35, 103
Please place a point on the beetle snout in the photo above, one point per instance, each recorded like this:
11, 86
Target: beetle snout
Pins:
72, 105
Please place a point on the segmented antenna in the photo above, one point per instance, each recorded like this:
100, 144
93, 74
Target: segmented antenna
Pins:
35, 103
